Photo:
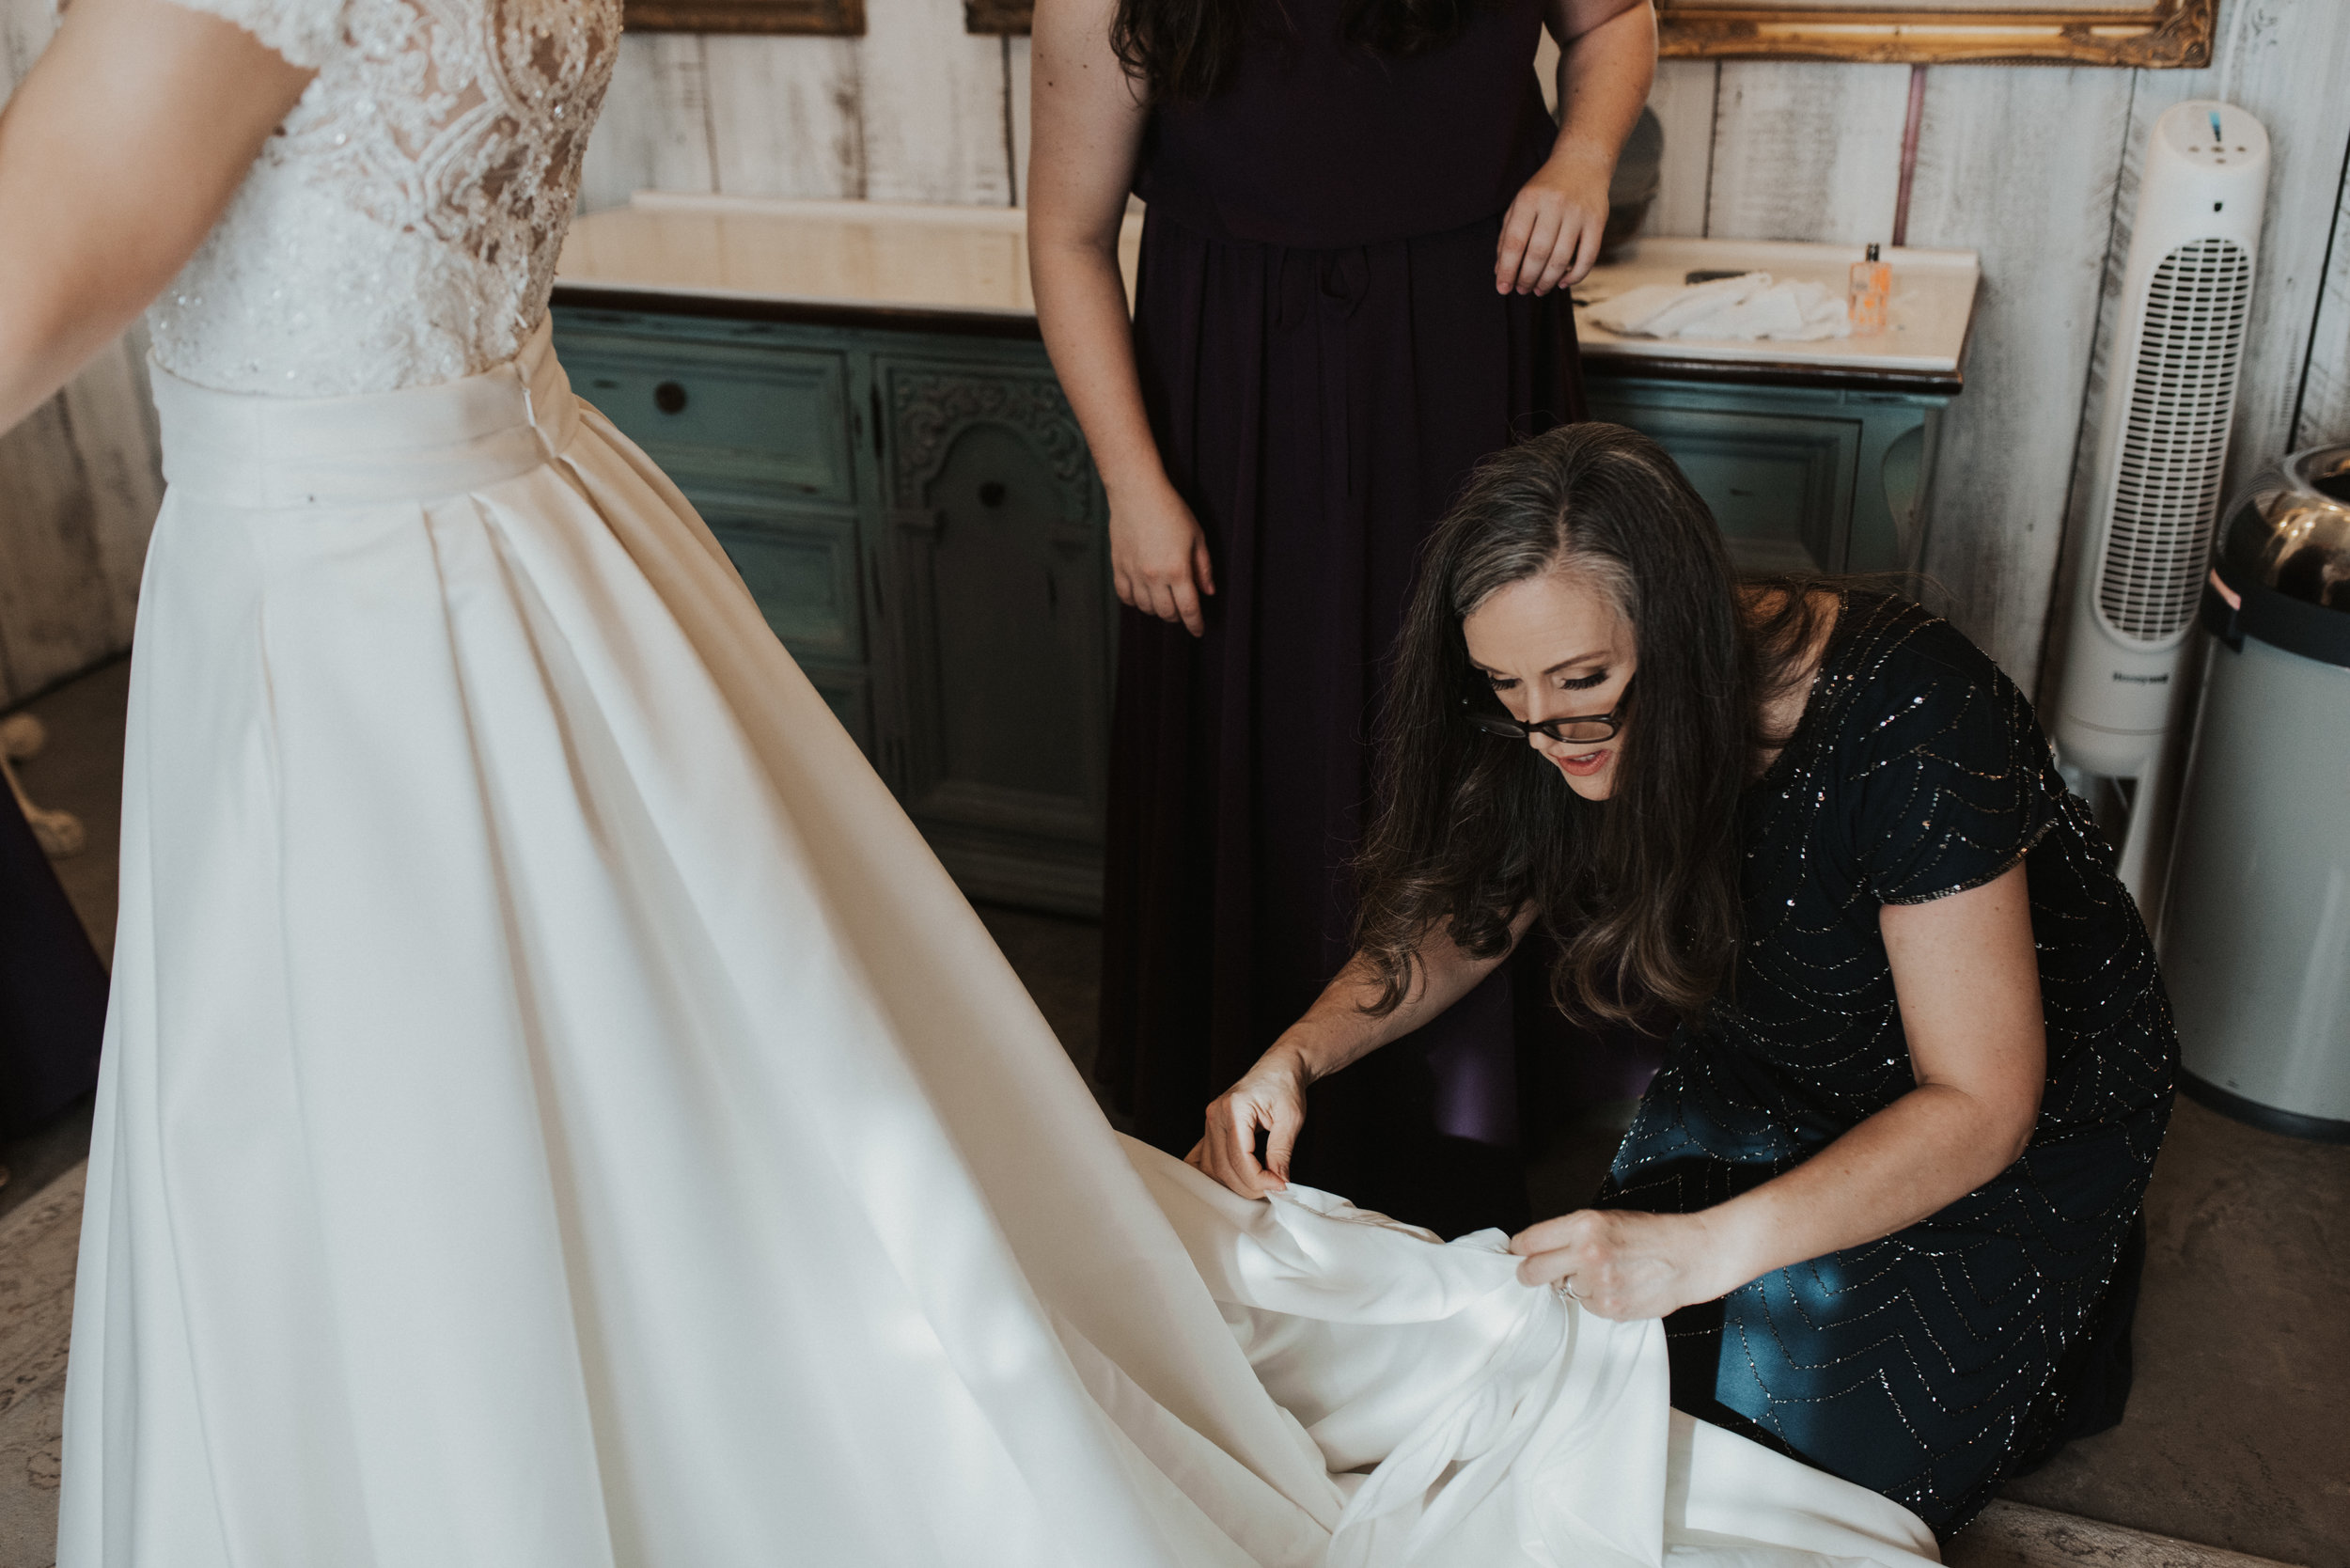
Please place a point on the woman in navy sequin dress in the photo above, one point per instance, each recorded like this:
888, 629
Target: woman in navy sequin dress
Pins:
1960, 1349
1886, 1188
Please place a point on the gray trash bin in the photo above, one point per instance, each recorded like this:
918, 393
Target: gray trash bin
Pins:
2256, 946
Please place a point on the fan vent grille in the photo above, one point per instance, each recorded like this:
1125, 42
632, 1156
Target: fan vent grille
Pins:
2175, 440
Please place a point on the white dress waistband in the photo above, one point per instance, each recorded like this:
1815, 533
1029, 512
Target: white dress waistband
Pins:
416, 444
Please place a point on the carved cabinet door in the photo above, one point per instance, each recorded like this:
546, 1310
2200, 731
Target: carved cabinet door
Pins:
995, 595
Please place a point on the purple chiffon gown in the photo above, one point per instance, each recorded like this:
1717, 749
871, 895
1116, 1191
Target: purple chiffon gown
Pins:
1324, 359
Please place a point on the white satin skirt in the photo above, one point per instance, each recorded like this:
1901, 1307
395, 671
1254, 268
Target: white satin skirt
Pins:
556, 1113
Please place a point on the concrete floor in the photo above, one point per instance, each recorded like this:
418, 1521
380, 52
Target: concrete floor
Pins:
2238, 1437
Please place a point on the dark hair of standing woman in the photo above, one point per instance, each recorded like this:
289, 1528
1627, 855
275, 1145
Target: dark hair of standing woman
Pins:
1184, 51
1640, 890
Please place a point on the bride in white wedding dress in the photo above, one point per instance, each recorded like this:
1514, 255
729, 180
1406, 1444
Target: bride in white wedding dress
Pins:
556, 1113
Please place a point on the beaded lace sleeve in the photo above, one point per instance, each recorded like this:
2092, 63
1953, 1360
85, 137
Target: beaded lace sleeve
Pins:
304, 31
1943, 768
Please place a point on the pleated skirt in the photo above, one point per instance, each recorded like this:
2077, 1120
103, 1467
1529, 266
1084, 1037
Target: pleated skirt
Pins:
555, 1110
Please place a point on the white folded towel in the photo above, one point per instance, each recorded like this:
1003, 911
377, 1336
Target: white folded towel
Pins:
1744, 308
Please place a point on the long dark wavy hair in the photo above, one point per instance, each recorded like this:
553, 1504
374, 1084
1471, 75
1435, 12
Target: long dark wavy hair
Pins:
1640, 891
1184, 51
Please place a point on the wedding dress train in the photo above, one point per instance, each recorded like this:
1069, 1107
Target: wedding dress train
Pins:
556, 1113
559, 1112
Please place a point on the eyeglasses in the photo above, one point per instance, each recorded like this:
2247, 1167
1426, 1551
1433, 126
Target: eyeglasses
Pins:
1574, 731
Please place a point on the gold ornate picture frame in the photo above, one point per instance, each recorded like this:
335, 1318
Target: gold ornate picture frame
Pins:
2152, 33
834, 17
2161, 34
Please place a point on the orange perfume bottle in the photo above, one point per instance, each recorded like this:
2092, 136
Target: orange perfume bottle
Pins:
1872, 286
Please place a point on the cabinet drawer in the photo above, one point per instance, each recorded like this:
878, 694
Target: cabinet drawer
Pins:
771, 420
801, 568
1780, 486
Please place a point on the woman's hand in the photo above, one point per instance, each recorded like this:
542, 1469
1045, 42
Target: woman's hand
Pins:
1343, 1026
1271, 1098
1607, 61
1966, 978
1088, 118
1625, 1264
1159, 558
1552, 230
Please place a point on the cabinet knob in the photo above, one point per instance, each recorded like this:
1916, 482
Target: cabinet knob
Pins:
669, 398
992, 494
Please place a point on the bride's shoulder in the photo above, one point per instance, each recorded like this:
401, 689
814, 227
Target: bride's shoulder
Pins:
304, 32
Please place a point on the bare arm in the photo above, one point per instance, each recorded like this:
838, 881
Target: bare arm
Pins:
117, 154
1968, 980
1607, 62
1089, 116
1336, 1030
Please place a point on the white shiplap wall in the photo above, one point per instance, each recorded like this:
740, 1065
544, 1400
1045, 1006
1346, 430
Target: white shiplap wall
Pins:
2018, 164
915, 110
79, 484
2325, 389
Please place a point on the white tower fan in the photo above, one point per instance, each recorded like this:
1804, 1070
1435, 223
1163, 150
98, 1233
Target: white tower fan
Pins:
2162, 445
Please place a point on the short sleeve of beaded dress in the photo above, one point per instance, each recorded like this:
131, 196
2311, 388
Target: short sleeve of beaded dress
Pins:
1934, 1363
1942, 789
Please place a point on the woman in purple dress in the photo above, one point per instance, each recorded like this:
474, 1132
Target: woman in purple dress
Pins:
1360, 217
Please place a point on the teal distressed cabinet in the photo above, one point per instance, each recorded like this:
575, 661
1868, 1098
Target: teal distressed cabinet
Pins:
1806, 470
997, 571
909, 500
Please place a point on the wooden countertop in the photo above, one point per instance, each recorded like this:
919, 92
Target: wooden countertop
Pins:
954, 267
965, 269
1922, 347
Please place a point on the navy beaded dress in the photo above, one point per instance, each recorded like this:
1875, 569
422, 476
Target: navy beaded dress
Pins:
1932, 1364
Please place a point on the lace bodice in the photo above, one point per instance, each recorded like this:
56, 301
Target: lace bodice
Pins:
403, 225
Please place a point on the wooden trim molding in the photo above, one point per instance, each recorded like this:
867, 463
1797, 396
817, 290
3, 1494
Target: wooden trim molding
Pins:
997, 17
2158, 34
637, 303
1598, 366
836, 18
